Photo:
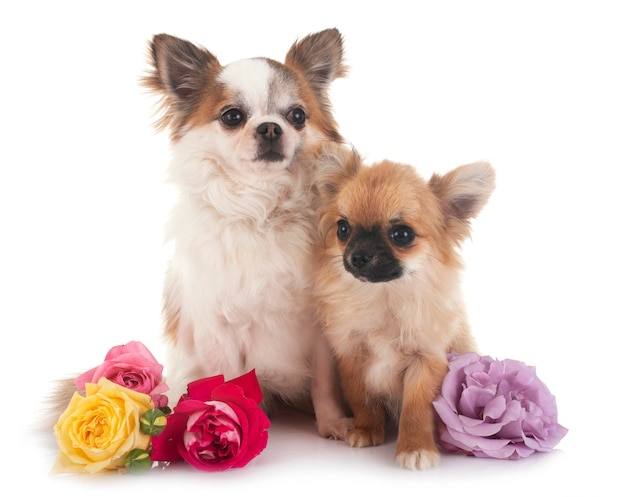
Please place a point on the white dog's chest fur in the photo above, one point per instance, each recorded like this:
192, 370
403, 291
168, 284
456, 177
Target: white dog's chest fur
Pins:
243, 284
239, 290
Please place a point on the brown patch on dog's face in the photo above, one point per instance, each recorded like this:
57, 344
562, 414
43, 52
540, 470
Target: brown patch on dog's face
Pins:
386, 221
386, 215
254, 116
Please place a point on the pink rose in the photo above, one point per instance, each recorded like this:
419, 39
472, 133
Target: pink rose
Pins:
217, 425
499, 409
131, 366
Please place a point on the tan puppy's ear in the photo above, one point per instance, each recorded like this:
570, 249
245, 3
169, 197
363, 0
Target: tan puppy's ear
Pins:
463, 192
335, 165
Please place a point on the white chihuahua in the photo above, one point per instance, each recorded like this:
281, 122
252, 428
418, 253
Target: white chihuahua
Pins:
238, 293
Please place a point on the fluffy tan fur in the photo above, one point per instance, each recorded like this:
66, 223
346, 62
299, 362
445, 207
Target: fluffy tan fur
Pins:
391, 338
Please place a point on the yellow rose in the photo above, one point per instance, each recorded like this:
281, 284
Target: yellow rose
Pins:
97, 431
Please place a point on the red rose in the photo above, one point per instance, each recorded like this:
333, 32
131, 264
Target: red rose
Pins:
215, 426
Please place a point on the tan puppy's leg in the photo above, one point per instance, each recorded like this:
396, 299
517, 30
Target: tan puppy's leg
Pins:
368, 412
416, 447
330, 417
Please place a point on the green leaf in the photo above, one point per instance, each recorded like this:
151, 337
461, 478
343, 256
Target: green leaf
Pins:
138, 461
153, 422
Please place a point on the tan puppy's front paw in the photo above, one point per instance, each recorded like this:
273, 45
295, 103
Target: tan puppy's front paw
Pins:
360, 437
418, 459
335, 429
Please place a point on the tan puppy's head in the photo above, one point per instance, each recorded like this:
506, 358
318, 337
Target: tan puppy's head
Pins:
386, 222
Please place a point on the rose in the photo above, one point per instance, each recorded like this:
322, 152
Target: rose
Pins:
98, 430
498, 409
131, 366
215, 426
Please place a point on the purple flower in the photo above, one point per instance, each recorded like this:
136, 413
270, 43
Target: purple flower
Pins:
498, 409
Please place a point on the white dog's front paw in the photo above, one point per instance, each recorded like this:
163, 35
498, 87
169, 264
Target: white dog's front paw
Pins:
418, 459
335, 429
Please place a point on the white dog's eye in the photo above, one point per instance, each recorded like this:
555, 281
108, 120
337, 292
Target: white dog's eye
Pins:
231, 118
297, 117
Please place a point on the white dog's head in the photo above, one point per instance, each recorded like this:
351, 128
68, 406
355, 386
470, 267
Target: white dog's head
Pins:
253, 116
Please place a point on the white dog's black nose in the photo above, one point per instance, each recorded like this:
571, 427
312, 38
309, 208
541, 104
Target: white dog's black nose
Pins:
269, 131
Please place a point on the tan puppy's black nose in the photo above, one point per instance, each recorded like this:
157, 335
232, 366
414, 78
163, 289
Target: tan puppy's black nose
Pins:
361, 259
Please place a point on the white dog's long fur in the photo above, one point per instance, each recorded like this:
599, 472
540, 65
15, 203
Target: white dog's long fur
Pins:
238, 293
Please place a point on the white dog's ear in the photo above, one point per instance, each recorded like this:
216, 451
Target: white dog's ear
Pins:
463, 193
319, 56
179, 70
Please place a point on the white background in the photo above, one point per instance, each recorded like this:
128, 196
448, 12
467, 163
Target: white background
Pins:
537, 88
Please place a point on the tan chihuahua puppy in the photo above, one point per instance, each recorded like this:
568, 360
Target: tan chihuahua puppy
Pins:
388, 289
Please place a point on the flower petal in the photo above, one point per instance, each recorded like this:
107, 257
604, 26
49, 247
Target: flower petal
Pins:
250, 386
478, 428
447, 413
474, 399
493, 408
165, 445
202, 389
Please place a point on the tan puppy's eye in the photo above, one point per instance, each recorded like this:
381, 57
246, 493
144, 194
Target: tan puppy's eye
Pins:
343, 230
401, 235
